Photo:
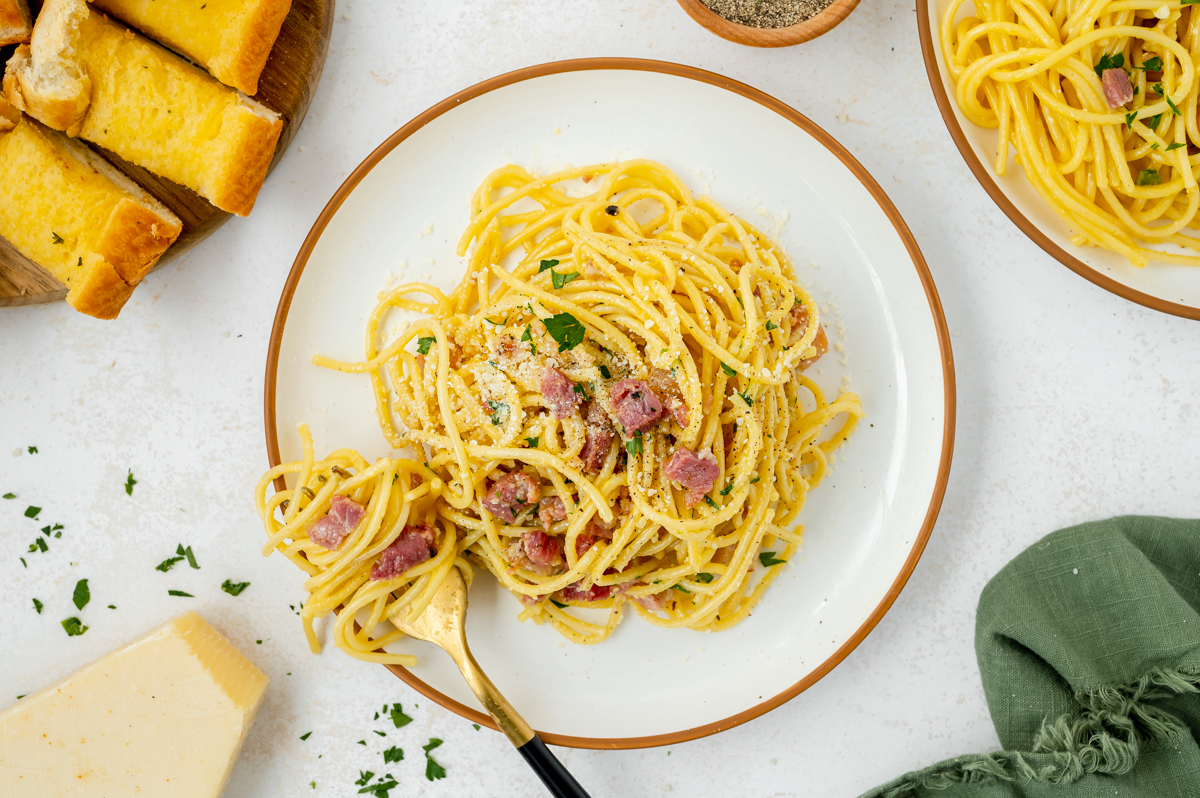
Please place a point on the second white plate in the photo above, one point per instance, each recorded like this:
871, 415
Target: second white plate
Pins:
865, 526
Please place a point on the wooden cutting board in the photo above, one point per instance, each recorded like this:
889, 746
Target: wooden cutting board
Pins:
287, 85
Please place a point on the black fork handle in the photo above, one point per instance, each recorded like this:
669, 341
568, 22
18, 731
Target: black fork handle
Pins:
557, 779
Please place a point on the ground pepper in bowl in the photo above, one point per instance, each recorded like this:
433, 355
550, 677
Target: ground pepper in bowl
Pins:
767, 13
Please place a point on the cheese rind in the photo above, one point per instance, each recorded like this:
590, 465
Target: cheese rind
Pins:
165, 716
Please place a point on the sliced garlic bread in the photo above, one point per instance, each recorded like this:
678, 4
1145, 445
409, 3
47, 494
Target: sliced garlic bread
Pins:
229, 38
68, 210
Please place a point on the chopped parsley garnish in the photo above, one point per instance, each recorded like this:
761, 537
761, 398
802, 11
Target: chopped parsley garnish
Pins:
612, 210
38, 545
23, 563
1149, 177
381, 734
10, 495
360, 742
129, 483
423, 345
1158, 89
1108, 62
179, 593
547, 264
82, 594
393, 754
112, 606
1172, 106
566, 330
432, 769
37, 605
73, 627
558, 604
57, 238
1152, 64
559, 280
634, 445
1174, 146
234, 588
754, 480
767, 558
729, 372
704, 577
496, 407
604, 372
746, 398
306, 735
1152, 121
680, 588
772, 325
398, 717
709, 501
33, 450
528, 336
579, 389
476, 725
191, 558
1130, 118
533, 442
32, 512
364, 776
168, 564
725, 490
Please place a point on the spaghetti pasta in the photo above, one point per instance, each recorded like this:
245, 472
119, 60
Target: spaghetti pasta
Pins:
610, 410
1098, 100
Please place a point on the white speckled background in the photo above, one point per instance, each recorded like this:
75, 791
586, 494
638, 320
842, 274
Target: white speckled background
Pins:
1072, 405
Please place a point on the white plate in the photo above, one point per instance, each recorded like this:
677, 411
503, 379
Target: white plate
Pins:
1165, 287
866, 525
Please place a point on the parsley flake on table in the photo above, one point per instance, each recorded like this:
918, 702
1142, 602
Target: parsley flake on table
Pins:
129, 483
476, 725
236, 588
168, 564
398, 717
179, 593
191, 558
37, 605
10, 495
32, 512
306, 735
547, 264
73, 627
393, 754
381, 734
432, 769
33, 450
364, 776
82, 594
38, 544
566, 330
767, 558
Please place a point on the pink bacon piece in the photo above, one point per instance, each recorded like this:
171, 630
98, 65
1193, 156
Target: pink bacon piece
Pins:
593, 593
542, 550
415, 545
551, 509
1117, 88
636, 405
511, 496
331, 529
697, 473
663, 383
559, 393
599, 438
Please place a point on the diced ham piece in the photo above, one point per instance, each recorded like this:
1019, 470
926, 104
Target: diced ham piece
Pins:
695, 472
663, 383
637, 407
593, 593
583, 543
414, 546
511, 496
599, 439
541, 549
799, 320
1117, 88
654, 602
332, 528
529, 601
559, 393
551, 509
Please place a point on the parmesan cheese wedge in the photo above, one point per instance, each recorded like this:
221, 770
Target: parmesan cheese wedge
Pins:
164, 716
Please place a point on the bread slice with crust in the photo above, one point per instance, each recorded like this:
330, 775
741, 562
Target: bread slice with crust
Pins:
144, 103
229, 38
69, 211
15, 22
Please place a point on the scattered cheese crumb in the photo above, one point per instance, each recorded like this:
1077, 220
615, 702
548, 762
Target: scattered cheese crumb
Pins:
557, 130
1162, 12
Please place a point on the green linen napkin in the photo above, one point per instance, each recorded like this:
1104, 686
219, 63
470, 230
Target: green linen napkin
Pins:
1089, 648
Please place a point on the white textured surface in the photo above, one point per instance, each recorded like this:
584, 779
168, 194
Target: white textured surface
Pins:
1073, 405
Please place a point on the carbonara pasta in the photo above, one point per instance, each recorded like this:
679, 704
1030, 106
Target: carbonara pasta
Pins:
609, 411
1098, 99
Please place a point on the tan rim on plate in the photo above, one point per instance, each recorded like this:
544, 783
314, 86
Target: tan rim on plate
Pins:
820, 23
986, 179
859, 172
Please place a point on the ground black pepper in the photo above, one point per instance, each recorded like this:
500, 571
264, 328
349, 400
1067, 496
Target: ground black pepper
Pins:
767, 13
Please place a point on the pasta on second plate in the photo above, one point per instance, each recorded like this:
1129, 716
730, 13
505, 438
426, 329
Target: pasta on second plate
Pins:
621, 418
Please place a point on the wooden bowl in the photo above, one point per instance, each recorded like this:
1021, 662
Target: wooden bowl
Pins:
286, 85
810, 28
